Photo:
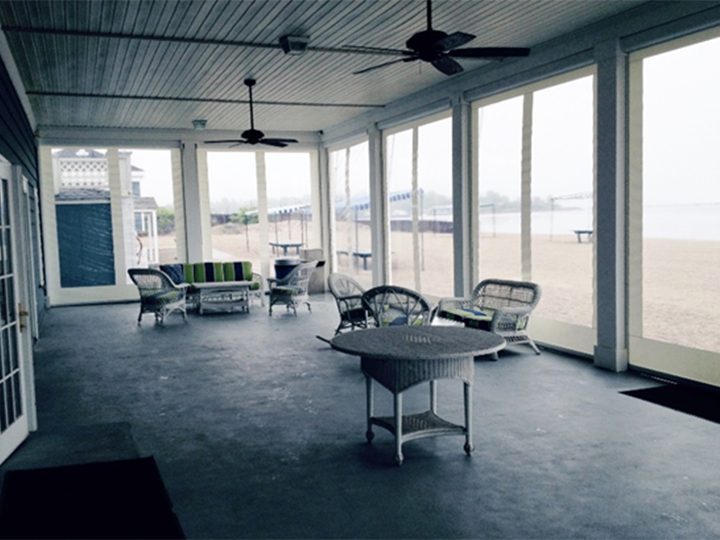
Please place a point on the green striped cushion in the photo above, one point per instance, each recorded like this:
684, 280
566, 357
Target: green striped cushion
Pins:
188, 270
208, 272
237, 271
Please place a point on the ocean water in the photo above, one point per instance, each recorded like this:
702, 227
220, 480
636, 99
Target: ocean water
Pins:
689, 222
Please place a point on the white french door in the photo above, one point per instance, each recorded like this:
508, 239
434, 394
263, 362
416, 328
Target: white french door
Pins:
17, 407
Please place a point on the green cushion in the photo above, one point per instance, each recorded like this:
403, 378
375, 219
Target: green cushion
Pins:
208, 272
189, 271
163, 297
285, 291
237, 271
466, 315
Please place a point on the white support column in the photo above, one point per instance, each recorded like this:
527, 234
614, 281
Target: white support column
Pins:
325, 204
192, 202
526, 188
465, 201
379, 223
261, 179
611, 347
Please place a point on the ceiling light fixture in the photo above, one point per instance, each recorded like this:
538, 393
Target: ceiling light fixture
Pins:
199, 124
294, 45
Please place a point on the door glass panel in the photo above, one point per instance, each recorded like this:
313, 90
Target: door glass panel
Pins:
349, 172
289, 202
153, 206
435, 225
10, 387
562, 200
232, 184
499, 130
681, 197
419, 172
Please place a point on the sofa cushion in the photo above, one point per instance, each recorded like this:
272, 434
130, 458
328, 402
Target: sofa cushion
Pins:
237, 271
208, 272
175, 272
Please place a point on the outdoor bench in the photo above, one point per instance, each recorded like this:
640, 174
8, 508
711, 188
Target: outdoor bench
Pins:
227, 284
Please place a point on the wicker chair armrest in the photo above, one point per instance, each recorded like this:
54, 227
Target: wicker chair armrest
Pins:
257, 278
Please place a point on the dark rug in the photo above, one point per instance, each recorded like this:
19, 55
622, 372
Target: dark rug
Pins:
701, 403
113, 499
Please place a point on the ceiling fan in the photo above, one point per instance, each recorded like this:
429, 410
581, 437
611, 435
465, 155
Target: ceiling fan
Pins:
441, 49
252, 135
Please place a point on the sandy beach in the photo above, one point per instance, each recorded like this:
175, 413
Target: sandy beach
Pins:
677, 274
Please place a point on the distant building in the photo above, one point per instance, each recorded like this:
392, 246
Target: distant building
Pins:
84, 217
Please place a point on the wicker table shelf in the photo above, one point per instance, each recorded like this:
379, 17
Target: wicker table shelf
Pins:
228, 294
401, 357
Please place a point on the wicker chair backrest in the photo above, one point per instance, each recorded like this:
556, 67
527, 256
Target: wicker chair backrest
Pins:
500, 293
392, 305
342, 286
149, 281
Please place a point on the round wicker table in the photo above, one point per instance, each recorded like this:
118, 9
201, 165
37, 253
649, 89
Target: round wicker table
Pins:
400, 357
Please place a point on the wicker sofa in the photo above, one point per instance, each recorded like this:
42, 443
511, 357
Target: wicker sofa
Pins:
214, 272
498, 305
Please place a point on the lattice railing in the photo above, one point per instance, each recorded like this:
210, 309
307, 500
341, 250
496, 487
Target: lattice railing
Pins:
83, 173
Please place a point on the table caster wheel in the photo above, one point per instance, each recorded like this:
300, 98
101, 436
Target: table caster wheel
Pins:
399, 459
469, 448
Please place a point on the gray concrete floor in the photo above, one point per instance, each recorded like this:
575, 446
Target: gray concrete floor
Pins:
258, 430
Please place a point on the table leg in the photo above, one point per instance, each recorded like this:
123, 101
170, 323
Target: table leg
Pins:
398, 429
369, 411
469, 447
433, 397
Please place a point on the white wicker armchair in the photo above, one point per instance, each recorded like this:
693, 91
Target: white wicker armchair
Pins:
158, 293
348, 297
497, 305
292, 290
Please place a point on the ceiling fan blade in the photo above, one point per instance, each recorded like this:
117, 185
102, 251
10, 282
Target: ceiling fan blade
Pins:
378, 66
489, 52
447, 65
281, 140
274, 142
378, 50
453, 41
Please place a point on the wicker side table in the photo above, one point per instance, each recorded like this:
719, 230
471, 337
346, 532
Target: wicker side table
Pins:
401, 357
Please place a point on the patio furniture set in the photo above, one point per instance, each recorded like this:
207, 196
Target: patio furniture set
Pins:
401, 342
400, 346
217, 285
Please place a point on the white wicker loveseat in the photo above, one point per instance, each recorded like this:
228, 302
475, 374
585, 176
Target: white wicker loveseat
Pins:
497, 305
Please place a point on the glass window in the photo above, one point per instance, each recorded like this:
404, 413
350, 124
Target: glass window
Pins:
349, 173
681, 196
419, 175
499, 129
289, 197
562, 200
153, 206
232, 186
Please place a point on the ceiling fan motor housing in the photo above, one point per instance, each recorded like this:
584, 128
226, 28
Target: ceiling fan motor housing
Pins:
252, 136
424, 44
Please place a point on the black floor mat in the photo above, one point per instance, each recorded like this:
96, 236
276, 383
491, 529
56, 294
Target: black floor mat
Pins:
701, 403
114, 499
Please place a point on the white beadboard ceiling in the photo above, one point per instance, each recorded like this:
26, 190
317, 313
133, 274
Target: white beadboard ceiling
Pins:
161, 64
